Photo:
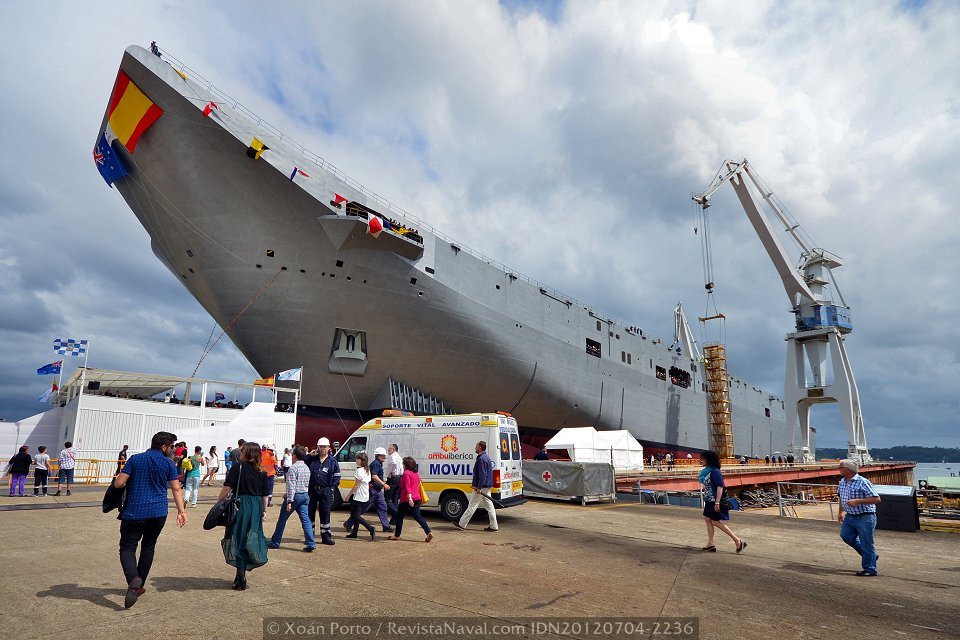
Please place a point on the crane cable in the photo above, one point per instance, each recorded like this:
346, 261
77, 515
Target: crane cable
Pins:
706, 255
233, 320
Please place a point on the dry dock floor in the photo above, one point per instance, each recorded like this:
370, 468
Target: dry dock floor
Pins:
60, 576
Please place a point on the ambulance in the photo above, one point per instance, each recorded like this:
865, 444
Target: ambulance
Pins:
445, 449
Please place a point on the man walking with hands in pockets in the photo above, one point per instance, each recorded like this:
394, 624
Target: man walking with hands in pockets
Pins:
481, 485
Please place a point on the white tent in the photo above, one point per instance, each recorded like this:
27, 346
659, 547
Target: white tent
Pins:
627, 452
586, 444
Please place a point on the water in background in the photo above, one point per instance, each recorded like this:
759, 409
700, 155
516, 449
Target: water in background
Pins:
926, 469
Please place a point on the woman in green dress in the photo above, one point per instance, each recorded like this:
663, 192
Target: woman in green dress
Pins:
244, 545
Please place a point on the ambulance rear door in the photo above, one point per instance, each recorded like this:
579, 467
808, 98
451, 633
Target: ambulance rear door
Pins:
509, 466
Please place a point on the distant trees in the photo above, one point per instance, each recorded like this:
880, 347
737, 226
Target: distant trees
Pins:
903, 452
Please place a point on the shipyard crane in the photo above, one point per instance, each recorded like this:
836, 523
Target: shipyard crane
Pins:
821, 323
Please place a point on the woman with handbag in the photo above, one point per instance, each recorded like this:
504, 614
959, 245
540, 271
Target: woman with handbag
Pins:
716, 506
411, 497
244, 544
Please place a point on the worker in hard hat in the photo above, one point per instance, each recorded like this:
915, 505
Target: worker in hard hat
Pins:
324, 480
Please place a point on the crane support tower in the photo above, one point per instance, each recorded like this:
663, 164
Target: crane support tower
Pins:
821, 323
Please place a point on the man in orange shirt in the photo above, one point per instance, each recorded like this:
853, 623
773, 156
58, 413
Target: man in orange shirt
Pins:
269, 461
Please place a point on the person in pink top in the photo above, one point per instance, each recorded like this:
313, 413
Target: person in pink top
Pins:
410, 499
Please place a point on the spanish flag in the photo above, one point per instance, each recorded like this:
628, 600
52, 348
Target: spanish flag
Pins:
130, 112
256, 148
264, 382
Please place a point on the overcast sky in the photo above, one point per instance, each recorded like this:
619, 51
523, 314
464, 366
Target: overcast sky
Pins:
563, 139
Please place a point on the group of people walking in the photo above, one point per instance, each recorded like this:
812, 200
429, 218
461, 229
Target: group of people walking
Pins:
387, 483
390, 484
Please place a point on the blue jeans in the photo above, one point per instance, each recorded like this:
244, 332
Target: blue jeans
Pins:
192, 489
270, 481
300, 502
857, 531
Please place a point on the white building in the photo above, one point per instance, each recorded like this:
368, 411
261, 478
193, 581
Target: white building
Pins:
99, 411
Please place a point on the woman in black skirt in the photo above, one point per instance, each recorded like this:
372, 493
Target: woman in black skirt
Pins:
244, 545
713, 514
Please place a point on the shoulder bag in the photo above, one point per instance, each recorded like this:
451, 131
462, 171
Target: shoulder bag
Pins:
224, 512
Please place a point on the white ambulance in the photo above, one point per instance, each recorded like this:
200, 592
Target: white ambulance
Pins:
444, 448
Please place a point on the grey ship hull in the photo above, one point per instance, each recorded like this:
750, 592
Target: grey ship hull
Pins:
437, 318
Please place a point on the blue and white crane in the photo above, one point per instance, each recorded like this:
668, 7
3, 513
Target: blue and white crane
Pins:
821, 322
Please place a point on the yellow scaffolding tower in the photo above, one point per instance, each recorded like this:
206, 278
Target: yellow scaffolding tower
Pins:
718, 399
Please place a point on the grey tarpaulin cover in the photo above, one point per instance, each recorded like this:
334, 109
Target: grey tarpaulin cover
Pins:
553, 478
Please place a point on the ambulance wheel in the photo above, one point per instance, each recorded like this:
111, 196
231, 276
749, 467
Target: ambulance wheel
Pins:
452, 505
337, 500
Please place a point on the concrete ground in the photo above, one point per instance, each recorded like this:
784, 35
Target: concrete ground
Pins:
60, 575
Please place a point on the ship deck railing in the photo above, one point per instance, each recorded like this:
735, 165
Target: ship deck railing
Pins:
317, 160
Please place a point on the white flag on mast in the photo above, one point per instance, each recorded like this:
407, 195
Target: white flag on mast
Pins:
290, 374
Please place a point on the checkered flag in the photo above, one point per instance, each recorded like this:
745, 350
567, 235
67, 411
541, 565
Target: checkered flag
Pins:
70, 347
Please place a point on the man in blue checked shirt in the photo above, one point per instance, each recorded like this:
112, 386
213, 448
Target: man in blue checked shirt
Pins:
147, 476
296, 499
858, 515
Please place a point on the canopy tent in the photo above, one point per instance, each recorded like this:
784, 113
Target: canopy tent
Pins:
627, 452
123, 382
586, 444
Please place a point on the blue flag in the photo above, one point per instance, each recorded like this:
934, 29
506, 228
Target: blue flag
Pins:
217, 397
50, 369
109, 164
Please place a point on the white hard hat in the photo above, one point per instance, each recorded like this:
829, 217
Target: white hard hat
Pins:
379, 451
323, 442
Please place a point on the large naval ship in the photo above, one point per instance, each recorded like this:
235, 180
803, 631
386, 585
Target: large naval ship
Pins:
301, 265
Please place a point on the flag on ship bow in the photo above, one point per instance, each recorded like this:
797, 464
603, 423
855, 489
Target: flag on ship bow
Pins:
51, 369
374, 225
130, 112
256, 149
70, 347
337, 201
108, 163
296, 171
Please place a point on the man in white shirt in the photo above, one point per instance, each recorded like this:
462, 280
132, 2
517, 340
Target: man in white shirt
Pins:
392, 470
